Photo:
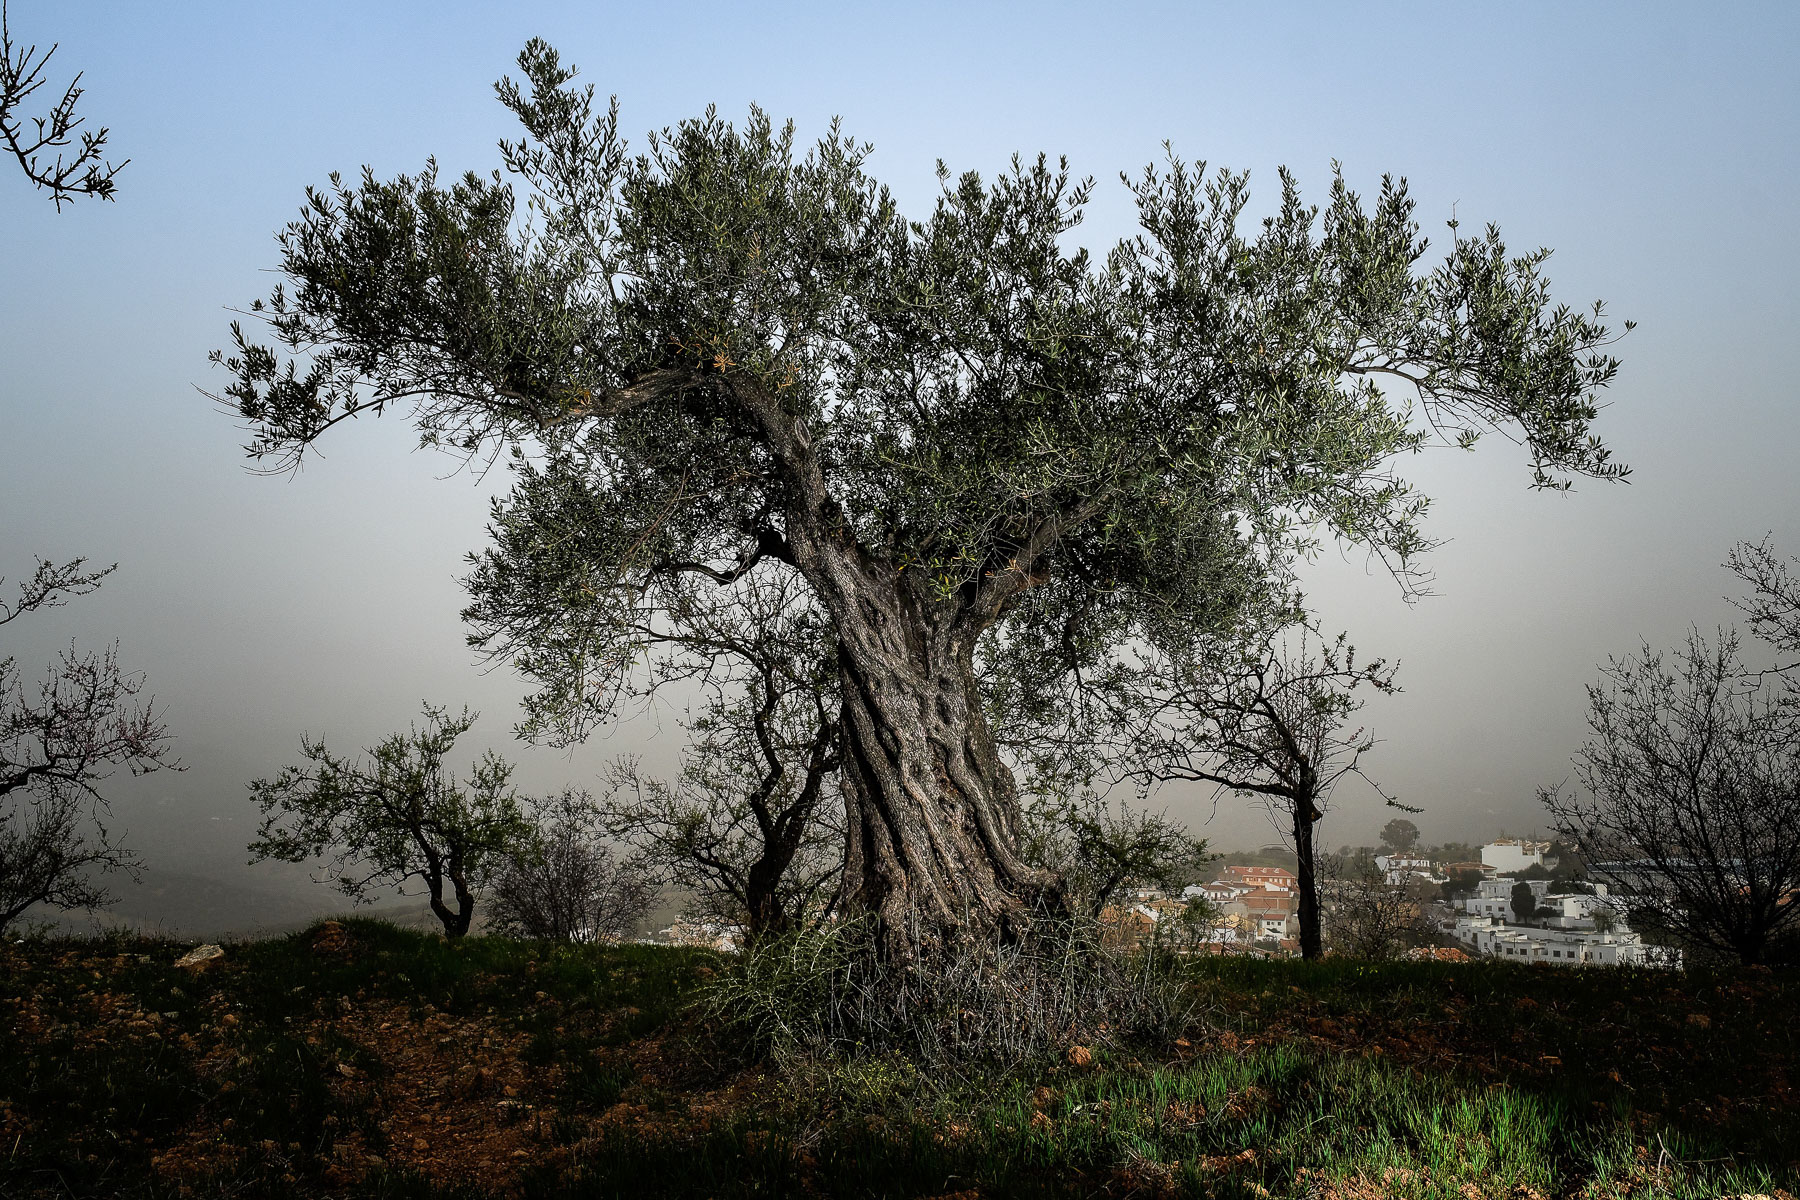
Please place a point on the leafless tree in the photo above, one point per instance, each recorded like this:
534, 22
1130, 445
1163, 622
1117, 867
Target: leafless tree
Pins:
751, 825
565, 883
1689, 796
1267, 719
32, 139
1773, 605
1364, 915
60, 738
1100, 847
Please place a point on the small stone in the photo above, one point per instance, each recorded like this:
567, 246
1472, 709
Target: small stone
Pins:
200, 958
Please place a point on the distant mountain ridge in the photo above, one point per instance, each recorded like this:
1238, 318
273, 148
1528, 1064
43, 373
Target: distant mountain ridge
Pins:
181, 904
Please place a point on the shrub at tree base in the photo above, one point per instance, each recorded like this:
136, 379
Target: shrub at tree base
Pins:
830, 993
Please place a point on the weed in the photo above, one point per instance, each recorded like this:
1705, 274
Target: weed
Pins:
827, 993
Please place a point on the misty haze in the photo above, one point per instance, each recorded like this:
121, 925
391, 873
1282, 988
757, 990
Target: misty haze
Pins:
947, 602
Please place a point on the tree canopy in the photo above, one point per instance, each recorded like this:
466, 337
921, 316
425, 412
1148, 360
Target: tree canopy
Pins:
395, 815
1400, 835
729, 354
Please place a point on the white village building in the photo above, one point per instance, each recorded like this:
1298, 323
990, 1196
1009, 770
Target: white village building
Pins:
1572, 933
1399, 869
1217, 894
1516, 854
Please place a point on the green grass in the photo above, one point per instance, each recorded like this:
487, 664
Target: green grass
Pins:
291, 1072
1286, 1120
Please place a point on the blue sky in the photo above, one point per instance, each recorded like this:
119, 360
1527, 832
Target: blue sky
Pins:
1652, 146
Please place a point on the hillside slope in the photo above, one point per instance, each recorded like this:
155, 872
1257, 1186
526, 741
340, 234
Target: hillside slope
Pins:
357, 1058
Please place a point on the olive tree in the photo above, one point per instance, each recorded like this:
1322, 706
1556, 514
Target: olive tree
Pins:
396, 815
61, 736
32, 140
956, 428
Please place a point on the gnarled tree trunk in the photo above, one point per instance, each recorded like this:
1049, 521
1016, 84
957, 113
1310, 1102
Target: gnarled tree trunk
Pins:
932, 811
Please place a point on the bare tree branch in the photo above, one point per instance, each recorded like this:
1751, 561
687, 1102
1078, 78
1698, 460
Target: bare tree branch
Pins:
31, 139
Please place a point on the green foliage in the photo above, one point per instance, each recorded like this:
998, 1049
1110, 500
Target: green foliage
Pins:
1421, 1080
398, 816
1460, 884
1268, 856
710, 355
1400, 835
1524, 902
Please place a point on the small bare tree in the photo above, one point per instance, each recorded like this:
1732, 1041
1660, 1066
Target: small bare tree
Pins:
1773, 605
1364, 915
1689, 796
1266, 719
565, 884
1100, 848
751, 825
59, 740
32, 139
396, 816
